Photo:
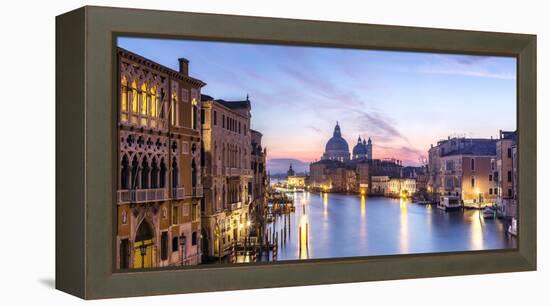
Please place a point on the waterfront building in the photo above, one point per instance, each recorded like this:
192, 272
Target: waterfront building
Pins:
159, 180
296, 181
332, 175
400, 187
505, 172
463, 168
228, 177
379, 185
260, 183
336, 172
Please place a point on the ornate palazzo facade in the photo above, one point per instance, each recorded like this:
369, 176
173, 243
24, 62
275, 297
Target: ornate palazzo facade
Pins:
159, 178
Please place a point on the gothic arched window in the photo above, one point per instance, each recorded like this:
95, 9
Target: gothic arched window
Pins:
134, 173
174, 173
154, 174
162, 174
124, 99
144, 174
124, 172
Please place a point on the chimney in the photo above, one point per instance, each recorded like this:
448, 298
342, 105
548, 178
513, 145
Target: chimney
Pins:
184, 66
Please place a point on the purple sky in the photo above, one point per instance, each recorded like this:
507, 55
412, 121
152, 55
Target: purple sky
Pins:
404, 101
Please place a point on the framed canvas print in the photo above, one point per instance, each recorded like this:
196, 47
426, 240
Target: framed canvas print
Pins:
200, 152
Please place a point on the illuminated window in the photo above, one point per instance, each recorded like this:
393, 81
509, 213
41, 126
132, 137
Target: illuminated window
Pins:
144, 104
124, 100
154, 106
175, 215
195, 213
134, 103
174, 120
194, 114
124, 217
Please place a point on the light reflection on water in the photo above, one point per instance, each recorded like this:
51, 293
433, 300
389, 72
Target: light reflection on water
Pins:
338, 225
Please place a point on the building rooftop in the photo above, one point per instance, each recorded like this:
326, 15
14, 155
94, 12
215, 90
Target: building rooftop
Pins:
479, 147
228, 104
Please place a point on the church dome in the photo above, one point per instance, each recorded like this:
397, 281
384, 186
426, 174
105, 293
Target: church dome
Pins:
360, 148
337, 143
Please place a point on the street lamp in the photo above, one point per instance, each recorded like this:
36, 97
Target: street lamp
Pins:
143, 251
183, 248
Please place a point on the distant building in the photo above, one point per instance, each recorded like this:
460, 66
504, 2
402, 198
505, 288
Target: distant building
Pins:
259, 184
290, 171
401, 187
228, 177
337, 172
379, 185
506, 171
296, 181
463, 168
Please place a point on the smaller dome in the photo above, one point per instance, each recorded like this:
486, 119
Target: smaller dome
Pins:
359, 149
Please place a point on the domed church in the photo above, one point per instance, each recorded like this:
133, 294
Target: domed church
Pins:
337, 148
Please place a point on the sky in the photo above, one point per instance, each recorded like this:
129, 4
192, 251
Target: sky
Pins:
403, 101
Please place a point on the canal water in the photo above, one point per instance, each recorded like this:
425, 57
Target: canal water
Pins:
328, 225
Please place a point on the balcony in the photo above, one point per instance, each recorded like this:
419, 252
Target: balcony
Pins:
197, 192
178, 193
141, 195
247, 172
235, 206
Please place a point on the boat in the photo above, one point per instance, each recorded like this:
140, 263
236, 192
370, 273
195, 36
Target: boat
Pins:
489, 213
449, 203
513, 227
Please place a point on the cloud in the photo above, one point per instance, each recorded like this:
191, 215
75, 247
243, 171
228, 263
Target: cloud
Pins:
378, 126
469, 72
323, 91
316, 129
467, 65
408, 155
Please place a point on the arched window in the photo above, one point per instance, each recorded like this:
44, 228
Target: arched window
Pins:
203, 155
174, 172
134, 103
144, 174
124, 217
124, 99
174, 120
193, 173
144, 104
162, 174
134, 173
154, 174
154, 106
124, 172
194, 114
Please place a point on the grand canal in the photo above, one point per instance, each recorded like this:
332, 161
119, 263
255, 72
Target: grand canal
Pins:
328, 225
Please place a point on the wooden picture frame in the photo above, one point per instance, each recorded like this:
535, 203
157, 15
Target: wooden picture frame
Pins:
86, 145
